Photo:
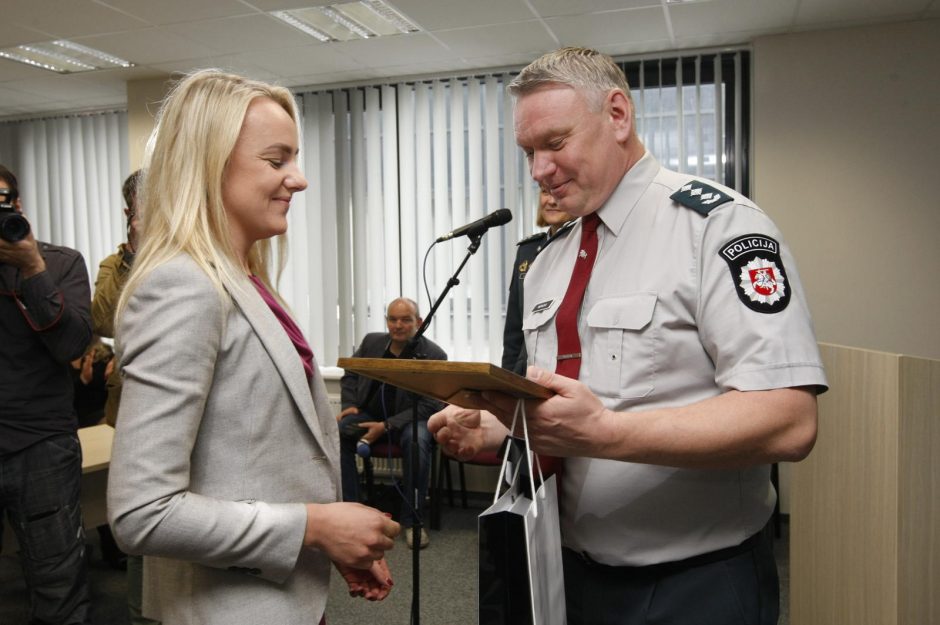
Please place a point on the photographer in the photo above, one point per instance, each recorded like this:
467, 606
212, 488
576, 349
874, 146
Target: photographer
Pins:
112, 275
44, 324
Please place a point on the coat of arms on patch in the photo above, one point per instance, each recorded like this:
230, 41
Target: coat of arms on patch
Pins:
758, 273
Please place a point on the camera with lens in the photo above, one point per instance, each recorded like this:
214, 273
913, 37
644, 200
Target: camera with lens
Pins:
13, 226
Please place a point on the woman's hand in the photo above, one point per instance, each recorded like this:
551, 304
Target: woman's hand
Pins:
350, 534
374, 583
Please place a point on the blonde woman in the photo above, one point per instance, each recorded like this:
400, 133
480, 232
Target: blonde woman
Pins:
225, 468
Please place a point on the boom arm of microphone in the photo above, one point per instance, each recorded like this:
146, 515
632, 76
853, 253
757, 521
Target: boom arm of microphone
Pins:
478, 227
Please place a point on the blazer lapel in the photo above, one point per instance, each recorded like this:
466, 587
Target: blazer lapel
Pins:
283, 353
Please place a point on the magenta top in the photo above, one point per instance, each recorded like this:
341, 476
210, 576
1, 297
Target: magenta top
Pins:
296, 336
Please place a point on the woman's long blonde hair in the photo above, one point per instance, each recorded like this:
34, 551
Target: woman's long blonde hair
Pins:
179, 199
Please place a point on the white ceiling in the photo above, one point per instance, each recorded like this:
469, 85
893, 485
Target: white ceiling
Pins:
166, 36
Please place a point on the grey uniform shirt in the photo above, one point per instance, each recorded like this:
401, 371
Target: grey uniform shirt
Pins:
681, 306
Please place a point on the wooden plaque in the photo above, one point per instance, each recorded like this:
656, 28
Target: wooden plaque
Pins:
452, 382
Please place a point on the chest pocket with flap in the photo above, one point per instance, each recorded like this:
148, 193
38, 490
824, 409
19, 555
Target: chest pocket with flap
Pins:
540, 339
623, 345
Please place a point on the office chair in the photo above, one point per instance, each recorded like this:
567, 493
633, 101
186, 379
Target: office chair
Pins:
384, 450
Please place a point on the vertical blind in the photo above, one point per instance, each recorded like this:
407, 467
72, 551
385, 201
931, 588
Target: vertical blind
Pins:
397, 165
70, 171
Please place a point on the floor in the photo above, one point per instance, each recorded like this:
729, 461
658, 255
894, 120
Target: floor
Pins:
448, 581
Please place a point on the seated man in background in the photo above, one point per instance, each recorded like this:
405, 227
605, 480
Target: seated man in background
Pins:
373, 410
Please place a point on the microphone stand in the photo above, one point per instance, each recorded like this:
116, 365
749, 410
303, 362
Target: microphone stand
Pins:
410, 352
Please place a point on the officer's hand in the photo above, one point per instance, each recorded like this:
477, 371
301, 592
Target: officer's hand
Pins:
570, 423
458, 431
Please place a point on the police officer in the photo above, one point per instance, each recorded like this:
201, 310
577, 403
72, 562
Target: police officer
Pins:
558, 223
688, 366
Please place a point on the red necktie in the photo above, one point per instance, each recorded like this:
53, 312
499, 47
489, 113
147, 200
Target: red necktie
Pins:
566, 321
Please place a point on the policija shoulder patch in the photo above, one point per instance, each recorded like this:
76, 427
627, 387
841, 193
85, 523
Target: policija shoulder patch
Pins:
758, 273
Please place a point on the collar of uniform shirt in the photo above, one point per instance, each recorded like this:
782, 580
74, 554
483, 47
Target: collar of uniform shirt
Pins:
627, 193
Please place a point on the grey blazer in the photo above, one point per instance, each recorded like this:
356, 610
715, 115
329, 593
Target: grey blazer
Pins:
220, 442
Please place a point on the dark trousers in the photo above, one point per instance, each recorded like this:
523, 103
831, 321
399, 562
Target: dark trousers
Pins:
737, 586
350, 477
39, 494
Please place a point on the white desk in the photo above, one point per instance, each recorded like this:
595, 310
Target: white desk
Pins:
96, 456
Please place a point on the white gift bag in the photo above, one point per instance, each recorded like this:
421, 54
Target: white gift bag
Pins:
521, 578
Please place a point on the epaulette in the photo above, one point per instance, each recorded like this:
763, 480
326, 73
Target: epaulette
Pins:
563, 230
700, 197
531, 238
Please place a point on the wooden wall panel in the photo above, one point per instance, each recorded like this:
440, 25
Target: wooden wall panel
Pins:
864, 543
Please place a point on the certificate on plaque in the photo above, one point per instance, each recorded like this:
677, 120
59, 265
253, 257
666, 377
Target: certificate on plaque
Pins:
457, 383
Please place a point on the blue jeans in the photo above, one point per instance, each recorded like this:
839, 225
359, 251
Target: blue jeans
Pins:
39, 494
403, 438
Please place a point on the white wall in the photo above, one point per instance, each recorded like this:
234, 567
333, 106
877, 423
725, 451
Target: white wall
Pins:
846, 143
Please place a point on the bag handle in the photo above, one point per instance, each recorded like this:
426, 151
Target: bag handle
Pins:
520, 409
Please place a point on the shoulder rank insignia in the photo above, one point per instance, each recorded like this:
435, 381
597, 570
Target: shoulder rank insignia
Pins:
757, 272
532, 238
700, 197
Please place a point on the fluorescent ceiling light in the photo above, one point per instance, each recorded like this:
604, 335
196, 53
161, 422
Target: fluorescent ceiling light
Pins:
349, 20
63, 56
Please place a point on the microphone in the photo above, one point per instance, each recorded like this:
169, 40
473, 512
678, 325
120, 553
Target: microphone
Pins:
478, 227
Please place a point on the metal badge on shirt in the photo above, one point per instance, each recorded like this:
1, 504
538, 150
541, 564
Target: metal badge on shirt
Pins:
758, 273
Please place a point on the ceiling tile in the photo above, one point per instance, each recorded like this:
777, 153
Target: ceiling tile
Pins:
301, 61
627, 28
176, 11
68, 18
394, 50
556, 8
54, 87
718, 39
283, 5
505, 38
445, 14
635, 47
11, 70
242, 34
819, 13
698, 18
121, 75
234, 64
149, 46
14, 34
